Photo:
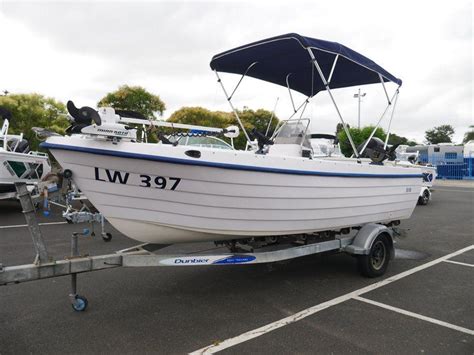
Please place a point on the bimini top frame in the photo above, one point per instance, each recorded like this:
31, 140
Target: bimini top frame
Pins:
294, 56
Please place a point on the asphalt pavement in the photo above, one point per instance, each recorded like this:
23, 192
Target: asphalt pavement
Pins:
427, 309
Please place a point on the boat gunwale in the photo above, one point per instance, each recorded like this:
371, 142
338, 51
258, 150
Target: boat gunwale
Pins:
179, 161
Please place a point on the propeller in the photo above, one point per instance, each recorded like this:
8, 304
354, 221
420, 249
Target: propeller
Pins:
90, 113
84, 115
73, 110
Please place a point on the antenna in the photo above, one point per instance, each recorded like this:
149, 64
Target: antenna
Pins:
271, 117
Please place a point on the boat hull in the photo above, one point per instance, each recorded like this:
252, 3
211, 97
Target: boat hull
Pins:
19, 167
158, 194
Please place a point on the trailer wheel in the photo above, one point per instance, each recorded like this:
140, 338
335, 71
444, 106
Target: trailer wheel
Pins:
424, 199
376, 262
80, 304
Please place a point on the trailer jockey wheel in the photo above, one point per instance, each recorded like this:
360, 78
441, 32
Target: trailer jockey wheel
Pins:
376, 262
79, 304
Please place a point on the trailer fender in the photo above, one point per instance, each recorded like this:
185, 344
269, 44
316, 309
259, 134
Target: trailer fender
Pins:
366, 236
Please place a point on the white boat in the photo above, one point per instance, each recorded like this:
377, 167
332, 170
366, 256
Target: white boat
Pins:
411, 159
429, 172
17, 162
167, 193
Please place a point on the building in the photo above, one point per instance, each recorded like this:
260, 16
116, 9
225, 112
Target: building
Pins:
452, 161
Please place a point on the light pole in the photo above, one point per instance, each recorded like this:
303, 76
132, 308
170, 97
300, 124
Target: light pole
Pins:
358, 96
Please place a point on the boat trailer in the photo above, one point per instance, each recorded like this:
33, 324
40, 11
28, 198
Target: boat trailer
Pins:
371, 243
63, 193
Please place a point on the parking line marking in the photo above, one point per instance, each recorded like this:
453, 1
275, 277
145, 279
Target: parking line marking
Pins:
458, 262
450, 190
415, 315
213, 348
25, 225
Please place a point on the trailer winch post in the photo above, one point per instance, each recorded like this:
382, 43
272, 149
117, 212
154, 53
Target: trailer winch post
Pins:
35, 232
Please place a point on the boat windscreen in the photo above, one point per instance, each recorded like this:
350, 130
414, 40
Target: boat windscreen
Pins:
292, 132
202, 141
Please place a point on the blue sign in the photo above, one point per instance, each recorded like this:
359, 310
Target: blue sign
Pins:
236, 259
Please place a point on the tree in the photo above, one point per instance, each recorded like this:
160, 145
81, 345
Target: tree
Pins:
200, 116
340, 127
396, 139
469, 135
134, 98
251, 119
34, 110
440, 134
258, 119
358, 136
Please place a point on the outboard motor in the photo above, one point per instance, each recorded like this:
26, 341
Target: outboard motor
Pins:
376, 152
83, 117
105, 122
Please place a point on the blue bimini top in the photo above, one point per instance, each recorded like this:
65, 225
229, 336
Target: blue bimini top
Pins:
287, 57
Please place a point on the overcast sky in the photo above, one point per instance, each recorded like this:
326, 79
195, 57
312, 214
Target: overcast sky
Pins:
82, 50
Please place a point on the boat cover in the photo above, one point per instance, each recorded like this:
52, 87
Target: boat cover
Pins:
279, 56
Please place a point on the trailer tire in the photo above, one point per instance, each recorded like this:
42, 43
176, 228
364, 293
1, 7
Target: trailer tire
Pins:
424, 199
376, 262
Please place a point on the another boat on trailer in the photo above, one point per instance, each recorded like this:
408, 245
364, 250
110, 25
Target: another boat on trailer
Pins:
171, 193
17, 162
429, 171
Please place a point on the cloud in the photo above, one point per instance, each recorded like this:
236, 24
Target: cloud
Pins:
83, 50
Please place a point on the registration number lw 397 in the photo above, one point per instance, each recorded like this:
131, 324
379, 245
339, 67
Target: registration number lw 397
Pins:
122, 177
